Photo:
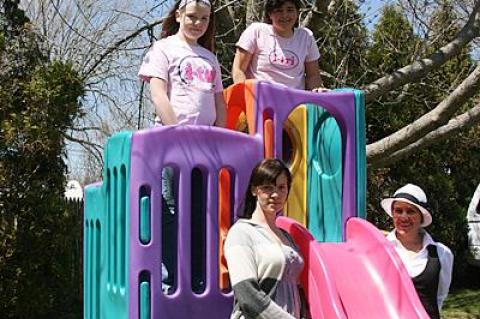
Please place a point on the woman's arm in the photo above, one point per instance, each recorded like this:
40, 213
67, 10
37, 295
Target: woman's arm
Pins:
312, 76
220, 109
163, 108
240, 65
445, 277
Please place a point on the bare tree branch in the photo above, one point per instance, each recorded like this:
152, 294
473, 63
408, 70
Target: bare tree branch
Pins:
454, 126
254, 11
420, 68
428, 122
313, 15
119, 43
94, 148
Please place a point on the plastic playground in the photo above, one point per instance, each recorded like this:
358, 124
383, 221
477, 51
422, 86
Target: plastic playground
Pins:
351, 271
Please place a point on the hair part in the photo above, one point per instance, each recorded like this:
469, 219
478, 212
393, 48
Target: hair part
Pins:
170, 26
265, 172
271, 5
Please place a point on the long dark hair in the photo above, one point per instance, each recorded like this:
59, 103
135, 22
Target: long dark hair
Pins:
271, 5
170, 27
265, 173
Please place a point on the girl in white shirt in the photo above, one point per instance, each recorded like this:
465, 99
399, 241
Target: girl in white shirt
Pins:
428, 263
278, 50
186, 88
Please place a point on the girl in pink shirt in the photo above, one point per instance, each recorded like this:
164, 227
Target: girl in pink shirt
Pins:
186, 88
278, 51
184, 74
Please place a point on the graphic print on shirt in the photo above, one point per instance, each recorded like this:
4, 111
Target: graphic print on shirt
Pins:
197, 72
283, 59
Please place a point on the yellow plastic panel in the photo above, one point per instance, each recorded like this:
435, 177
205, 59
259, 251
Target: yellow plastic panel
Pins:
296, 129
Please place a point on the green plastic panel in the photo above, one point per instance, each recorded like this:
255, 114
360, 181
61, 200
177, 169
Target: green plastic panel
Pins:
324, 162
106, 235
145, 300
116, 174
92, 249
145, 233
361, 165
361, 154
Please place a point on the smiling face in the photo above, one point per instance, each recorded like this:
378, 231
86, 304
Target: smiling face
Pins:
284, 18
193, 20
271, 198
407, 218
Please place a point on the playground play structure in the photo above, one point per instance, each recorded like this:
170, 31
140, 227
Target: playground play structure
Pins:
351, 271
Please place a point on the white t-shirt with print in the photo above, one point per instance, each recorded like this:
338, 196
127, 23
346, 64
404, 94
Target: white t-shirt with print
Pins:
278, 59
193, 77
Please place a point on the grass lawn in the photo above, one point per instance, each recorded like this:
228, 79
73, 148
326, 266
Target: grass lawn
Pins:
462, 304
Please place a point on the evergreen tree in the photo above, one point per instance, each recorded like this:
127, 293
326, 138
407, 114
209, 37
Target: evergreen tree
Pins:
342, 39
38, 102
394, 45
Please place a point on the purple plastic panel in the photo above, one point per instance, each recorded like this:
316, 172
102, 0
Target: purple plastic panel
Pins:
184, 147
280, 101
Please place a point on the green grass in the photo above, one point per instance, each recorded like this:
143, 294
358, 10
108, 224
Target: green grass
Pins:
462, 304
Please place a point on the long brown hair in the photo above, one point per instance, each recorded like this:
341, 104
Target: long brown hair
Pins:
170, 26
265, 173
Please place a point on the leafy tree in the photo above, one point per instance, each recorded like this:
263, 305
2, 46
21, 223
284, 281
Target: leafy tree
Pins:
442, 170
342, 39
38, 102
394, 44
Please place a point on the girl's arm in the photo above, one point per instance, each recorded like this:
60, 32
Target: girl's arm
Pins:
313, 81
220, 109
240, 64
163, 108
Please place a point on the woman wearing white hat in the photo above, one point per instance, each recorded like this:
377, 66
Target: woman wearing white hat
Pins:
428, 263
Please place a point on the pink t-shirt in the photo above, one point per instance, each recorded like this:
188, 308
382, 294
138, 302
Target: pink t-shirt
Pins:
193, 77
278, 59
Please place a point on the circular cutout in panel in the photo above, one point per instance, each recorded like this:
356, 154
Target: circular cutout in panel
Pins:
288, 147
329, 146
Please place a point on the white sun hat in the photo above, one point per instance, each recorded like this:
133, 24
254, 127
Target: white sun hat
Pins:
411, 194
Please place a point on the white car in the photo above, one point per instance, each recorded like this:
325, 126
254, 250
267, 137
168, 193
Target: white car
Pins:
473, 218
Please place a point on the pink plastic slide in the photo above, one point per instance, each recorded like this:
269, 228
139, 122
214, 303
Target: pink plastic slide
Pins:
360, 278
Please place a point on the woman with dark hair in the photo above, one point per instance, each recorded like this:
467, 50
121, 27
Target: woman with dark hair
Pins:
278, 50
263, 262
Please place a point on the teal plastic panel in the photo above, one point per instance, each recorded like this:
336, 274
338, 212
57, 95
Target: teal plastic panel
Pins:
116, 174
94, 215
361, 154
145, 233
145, 300
324, 171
